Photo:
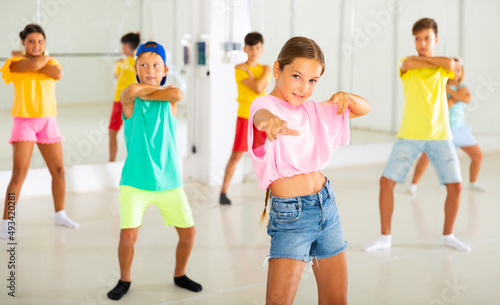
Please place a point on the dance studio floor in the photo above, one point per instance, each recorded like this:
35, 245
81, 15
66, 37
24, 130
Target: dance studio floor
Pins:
60, 266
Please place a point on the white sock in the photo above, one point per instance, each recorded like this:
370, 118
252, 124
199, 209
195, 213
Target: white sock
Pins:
451, 241
413, 188
4, 232
383, 242
477, 187
63, 220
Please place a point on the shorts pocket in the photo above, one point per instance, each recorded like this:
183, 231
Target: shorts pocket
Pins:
282, 214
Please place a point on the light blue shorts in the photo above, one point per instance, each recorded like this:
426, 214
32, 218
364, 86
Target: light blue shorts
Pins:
305, 227
462, 137
441, 153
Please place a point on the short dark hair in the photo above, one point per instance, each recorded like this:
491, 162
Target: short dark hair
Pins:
253, 38
132, 39
423, 24
31, 28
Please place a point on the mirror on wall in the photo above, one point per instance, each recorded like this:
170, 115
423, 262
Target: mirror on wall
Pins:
85, 38
362, 41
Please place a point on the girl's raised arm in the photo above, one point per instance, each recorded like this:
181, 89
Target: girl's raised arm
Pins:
356, 104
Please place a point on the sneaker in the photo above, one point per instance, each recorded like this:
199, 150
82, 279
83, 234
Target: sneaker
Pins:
223, 199
477, 187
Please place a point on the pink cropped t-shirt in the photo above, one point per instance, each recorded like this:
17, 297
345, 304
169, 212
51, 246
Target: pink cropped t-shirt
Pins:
321, 129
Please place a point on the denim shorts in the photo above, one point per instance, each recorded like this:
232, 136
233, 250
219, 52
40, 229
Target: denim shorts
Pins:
441, 153
305, 227
462, 137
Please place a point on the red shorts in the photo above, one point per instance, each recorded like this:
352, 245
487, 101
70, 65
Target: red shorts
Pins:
240, 137
115, 122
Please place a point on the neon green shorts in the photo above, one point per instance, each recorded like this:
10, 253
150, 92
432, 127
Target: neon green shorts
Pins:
173, 205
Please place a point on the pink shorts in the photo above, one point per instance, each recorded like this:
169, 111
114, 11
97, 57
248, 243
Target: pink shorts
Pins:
40, 130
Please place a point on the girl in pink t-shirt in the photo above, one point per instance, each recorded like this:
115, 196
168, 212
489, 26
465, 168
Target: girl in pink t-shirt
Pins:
301, 136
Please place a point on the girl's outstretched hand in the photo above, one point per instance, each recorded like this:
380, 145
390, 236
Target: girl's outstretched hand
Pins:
341, 99
272, 126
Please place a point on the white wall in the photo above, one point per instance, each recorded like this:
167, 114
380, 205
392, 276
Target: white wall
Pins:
377, 31
481, 45
362, 55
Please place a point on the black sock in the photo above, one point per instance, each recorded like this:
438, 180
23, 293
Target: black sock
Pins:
120, 289
223, 199
185, 282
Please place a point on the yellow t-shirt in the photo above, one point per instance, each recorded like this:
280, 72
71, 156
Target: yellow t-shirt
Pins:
34, 92
126, 75
425, 114
245, 94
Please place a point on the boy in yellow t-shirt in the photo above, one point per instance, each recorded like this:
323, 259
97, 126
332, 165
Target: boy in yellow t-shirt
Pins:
252, 79
424, 128
125, 75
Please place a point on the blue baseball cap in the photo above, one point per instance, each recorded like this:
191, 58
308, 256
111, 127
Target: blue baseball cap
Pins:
158, 50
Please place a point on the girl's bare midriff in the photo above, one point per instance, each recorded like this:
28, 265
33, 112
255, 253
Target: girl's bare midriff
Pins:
300, 185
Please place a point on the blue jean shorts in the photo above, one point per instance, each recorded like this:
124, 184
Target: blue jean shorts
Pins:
305, 227
462, 137
441, 153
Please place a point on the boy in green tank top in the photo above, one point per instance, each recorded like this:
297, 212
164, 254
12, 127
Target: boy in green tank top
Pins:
150, 174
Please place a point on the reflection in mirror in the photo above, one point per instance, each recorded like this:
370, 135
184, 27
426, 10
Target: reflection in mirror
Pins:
362, 41
88, 54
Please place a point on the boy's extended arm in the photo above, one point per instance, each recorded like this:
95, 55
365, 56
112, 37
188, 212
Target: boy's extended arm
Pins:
149, 93
258, 84
170, 93
417, 62
32, 64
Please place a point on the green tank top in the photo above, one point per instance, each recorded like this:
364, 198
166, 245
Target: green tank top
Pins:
152, 161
